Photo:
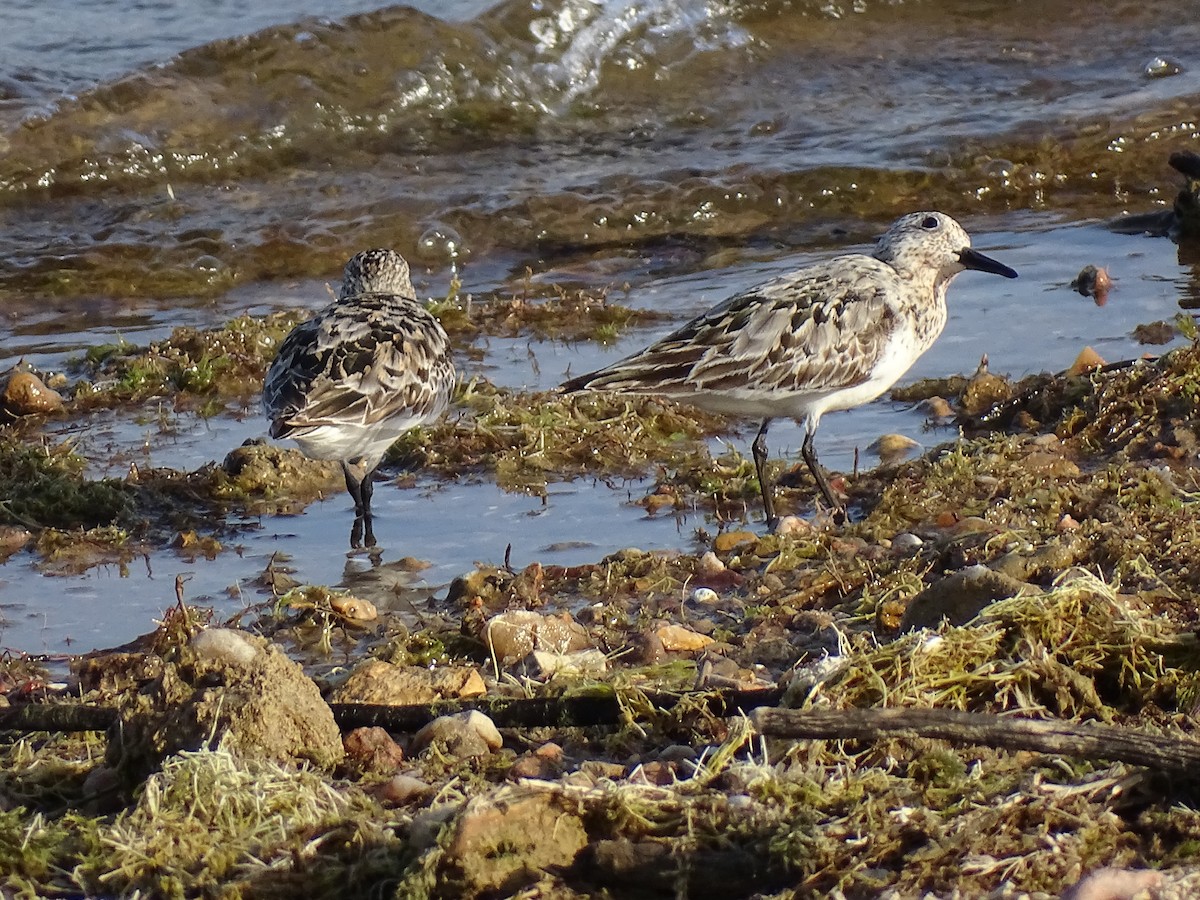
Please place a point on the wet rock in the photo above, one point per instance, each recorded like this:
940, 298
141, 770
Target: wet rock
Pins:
353, 609
1088, 360
1155, 332
26, 395
13, 538
505, 841
270, 472
677, 638
462, 735
938, 408
649, 649
1162, 67
515, 634
376, 681
960, 596
892, 448
256, 704
1045, 561
731, 540
984, 391
1093, 282
372, 751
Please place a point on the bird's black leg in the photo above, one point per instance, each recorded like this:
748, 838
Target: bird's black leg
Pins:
367, 489
759, 450
810, 457
361, 490
354, 486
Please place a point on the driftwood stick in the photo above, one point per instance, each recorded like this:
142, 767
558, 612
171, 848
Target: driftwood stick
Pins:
56, 717
1091, 741
562, 712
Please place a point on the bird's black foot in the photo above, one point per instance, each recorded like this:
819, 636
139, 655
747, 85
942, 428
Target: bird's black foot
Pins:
362, 532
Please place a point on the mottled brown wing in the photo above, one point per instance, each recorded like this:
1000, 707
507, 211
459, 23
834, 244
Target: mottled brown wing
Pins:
822, 329
382, 359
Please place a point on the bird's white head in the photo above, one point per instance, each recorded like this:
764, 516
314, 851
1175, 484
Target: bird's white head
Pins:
376, 272
932, 242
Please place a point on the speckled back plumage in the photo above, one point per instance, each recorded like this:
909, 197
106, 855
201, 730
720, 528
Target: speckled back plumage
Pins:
375, 363
827, 336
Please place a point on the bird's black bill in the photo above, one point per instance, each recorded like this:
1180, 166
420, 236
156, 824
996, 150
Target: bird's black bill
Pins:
972, 259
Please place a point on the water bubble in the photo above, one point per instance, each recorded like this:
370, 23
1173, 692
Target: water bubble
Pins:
441, 243
1162, 67
1000, 169
208, 263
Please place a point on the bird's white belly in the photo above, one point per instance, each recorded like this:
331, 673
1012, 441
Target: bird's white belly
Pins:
751, 401
347, 441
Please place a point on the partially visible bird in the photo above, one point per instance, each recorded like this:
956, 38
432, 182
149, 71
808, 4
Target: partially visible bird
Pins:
832, 335
350, 381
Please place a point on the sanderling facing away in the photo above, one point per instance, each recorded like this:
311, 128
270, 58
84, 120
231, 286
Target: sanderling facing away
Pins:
832, 335
350, 381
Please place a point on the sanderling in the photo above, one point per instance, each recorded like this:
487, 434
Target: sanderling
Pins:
832, 335
350, 381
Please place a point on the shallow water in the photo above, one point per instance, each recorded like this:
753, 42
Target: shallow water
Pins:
686, 149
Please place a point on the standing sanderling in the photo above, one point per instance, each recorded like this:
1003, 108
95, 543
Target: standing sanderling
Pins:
350, 381
832, 335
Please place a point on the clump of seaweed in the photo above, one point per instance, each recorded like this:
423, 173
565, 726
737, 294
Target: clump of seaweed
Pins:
43, 486
210, 820
525, 440
220, 363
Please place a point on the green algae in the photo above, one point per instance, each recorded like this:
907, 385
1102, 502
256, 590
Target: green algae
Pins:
44, 487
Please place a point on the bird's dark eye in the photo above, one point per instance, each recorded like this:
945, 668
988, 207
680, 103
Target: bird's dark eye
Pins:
929, 223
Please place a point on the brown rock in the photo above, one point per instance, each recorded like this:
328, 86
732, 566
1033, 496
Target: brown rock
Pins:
515, 634
376, 681
984, 391
1088, 360
938, 408
960, 596
254, 700
372, 750
463, 735
892, 448
730, 540
26, 395
402, 789
12, 539
353, 609
676, 638
505, 841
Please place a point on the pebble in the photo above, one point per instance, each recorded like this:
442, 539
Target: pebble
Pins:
513, 635
372, 750
225, 645
905, 543
463, 735
1088, 360
678, 638
1093, 282
401, 789
26, 395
